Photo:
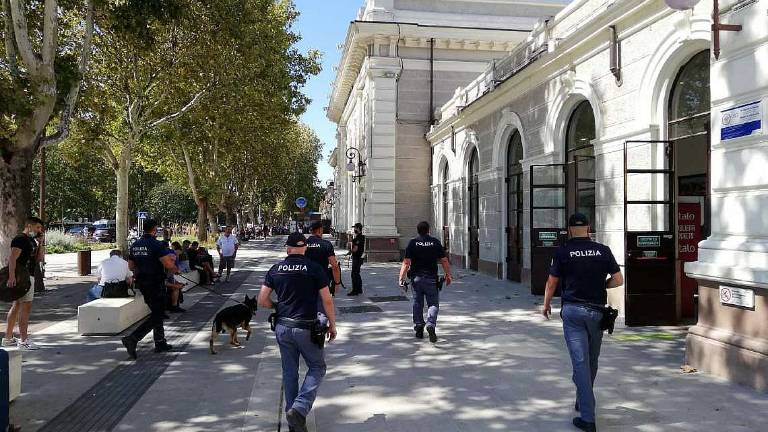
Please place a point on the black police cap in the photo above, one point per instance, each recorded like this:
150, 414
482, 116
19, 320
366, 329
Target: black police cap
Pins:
578, 219
358, 225
296, 239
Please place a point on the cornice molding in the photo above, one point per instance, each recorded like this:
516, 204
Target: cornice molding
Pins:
363, 33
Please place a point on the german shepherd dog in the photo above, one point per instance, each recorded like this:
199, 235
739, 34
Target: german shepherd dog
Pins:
230, 319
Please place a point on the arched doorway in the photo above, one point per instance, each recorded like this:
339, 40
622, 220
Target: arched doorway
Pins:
445, 215
580, 162
514, 228
689, 129
474, 211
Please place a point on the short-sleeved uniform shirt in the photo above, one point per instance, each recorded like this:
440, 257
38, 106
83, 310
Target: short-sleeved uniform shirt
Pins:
297, 281
584, 265
146, 253
319, 251
359, 241
28, 247
227, 244
424, 252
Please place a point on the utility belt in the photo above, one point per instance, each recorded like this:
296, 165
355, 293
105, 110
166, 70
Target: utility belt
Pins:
439, 281
609, 314
317, 329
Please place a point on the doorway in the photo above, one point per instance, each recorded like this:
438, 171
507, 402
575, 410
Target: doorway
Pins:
689, 129
474, 211
514, 228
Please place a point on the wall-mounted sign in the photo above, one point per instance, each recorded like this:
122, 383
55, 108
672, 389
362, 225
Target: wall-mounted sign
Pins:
739, 297
741, 121
688, 231
648, 241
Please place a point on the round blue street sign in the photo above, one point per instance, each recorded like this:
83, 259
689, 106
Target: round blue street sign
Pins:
301, 202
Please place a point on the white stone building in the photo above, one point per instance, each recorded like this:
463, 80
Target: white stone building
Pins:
620, 109
402, 59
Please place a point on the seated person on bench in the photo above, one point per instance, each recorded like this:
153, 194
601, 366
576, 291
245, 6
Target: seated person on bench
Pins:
112, 269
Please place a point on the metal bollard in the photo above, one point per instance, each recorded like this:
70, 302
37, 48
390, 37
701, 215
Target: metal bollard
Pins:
84, 262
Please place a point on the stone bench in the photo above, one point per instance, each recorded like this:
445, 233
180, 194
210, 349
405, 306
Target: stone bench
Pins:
110, 316
14, 373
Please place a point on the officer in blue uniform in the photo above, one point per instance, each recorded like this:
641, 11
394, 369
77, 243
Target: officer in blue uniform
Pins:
299, 283
420, 264
321, 252
586, 269
149, 260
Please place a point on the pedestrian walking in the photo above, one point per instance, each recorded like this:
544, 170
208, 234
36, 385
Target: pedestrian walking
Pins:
422, 255
586, 269
321, 252
357, 249
149, 260
25, 258
299, 284
227, 246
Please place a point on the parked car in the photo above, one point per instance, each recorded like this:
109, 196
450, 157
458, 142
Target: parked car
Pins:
105, 234
75, 230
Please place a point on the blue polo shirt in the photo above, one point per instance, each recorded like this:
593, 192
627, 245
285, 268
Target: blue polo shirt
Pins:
424, 252
583, 266
297, 281
145, 254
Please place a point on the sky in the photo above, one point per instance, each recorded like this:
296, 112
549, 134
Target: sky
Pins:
323, 25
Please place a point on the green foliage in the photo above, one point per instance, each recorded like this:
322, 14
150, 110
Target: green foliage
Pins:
170, 203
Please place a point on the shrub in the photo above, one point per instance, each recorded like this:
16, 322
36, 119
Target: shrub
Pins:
57, 241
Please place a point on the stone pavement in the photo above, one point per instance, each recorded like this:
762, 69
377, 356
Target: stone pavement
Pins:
498, 366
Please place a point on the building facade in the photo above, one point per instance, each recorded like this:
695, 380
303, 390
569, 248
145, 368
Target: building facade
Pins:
623, 111
401, 60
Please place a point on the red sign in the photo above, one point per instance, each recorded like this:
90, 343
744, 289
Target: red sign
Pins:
688, 231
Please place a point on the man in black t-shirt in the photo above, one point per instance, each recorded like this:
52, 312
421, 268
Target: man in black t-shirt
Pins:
149, 259
587, 269
358, 249
321, 252
299, 284
420, 264
24, 254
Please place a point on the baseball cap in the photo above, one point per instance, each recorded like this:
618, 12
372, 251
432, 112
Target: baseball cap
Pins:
296, 239
358, 225
315, 225
578, 219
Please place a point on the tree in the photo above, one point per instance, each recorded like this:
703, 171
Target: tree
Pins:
45, 54
170, 203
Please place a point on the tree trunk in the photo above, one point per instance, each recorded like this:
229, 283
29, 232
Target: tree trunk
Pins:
122, 219
212, 222
202, 213
15, 197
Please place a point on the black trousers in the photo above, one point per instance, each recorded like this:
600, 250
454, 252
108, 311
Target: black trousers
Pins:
357, 281
154, 297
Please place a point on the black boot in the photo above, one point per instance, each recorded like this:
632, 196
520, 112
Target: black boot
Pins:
296, 421
130, 345
419, 331
432, 334
583, 425
163, 347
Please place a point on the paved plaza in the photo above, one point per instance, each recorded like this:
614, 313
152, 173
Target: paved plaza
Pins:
498, 366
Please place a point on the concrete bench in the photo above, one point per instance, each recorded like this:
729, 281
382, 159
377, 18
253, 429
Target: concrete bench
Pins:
14, 374
110, 316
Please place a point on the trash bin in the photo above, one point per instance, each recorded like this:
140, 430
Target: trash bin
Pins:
84, 262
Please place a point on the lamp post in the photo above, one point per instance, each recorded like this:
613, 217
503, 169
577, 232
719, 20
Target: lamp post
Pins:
356, 171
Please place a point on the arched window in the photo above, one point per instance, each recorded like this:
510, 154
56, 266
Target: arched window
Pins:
514, 228
580, 157
689, 103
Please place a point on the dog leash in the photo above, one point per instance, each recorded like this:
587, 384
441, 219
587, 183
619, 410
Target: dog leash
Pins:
210, 290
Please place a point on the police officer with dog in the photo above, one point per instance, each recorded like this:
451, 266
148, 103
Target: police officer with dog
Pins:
586, 269
149, 259
420, 264
299, 283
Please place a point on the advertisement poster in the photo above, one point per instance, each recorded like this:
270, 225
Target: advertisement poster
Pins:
688, 231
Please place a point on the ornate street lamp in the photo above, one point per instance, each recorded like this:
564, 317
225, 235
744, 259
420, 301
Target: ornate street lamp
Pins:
356, 171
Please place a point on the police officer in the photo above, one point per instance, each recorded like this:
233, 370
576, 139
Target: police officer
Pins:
420, 264
299, 283
321, 252
586, 269
357, 249
149, 260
